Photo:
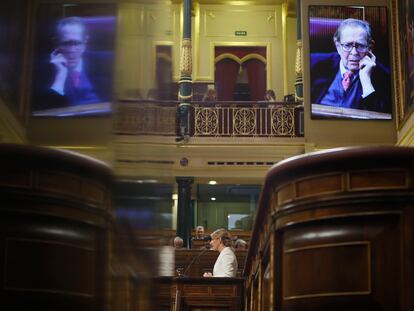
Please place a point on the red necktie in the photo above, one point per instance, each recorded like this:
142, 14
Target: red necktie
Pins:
346, 81
75, 77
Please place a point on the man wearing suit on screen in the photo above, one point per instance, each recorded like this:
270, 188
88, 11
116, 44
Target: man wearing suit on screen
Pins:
73, 77
351, 77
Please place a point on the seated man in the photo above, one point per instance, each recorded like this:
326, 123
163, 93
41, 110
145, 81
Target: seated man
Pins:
200, 240
240, 244
199, 233
178, 242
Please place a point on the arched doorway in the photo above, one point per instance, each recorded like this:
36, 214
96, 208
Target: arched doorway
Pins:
240, 72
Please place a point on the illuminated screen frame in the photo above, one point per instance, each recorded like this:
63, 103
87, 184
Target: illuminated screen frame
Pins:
321, 23
95, 71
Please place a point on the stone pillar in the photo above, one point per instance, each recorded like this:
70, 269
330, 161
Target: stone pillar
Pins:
184, 210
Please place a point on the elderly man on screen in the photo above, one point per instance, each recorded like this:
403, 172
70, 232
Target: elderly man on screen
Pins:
351, 77
70, 78
70, 73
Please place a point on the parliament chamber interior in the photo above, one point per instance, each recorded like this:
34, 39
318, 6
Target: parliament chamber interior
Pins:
130, 131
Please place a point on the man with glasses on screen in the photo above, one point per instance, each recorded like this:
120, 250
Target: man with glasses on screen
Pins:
71, 79
72, 76
352, 77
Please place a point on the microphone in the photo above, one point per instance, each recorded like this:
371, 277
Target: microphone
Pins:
192, 261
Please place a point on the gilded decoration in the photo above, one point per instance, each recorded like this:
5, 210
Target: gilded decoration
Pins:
283, 121
221, 120
298, 64
185, 97
403, 32
206, 121
186, 61
299, 72
146, 118
239, 60
226, 119
244, 121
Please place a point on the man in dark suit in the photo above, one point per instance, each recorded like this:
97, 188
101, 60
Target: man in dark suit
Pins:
351, 78
71, 78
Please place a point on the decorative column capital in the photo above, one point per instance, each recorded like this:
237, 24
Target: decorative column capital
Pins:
183, 181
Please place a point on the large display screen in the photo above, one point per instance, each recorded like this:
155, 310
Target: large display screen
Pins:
350, 75
74, 63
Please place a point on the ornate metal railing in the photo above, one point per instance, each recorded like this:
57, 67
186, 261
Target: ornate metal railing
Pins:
247, 119
146, 117
218, 119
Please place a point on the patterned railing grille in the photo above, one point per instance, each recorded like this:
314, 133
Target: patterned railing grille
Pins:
255, 120
146, 118
221, 119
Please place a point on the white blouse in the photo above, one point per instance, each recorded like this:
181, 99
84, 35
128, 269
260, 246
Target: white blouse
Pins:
226, 264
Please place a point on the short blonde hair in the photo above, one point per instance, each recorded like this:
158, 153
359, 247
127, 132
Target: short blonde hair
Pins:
224, 236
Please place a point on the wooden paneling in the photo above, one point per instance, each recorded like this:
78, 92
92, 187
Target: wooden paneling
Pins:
340, 232
57, 274
54, 230
93, 192
284, 194
331, 270
208, 293
15, 178
199, 294
59, 183
378, 179
326, 184
196, 290
319, 185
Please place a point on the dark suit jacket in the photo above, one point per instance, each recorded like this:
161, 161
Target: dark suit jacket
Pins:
324, 67
97, 68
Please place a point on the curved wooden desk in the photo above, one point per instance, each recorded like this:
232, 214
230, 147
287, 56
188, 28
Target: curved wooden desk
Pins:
54, 215
335, 231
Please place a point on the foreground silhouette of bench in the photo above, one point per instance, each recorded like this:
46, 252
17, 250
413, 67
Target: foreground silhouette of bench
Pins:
54, 220
334, 231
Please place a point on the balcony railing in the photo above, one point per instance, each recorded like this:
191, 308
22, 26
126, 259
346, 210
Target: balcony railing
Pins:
212, 119
246, 119
146, 117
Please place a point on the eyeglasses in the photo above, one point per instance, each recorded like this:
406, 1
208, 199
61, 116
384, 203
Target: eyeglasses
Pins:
72, 43
347, 47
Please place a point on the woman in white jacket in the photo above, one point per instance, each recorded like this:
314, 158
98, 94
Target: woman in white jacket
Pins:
226, 263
